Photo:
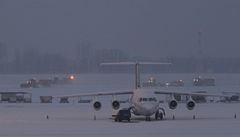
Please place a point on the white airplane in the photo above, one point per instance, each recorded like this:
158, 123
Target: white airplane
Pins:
143, 101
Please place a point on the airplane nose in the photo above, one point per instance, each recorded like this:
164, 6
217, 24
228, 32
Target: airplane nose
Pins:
148, 108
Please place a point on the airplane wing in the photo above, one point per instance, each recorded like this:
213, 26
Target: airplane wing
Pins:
189, 93
126, 92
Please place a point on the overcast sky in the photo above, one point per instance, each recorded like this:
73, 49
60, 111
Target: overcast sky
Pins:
153, 28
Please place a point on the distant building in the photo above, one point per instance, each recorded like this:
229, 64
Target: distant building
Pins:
16, 97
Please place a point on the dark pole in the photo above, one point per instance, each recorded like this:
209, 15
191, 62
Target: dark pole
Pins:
137, 76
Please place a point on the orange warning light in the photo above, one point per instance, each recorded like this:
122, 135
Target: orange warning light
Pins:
72, 77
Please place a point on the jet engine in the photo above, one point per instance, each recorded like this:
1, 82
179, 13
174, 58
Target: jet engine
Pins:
172, 104
115, 104
190, 105
97, 105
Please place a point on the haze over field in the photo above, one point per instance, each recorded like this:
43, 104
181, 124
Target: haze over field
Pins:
150, 28
75, 36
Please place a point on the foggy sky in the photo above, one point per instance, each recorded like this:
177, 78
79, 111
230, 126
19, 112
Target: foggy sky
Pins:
153, 28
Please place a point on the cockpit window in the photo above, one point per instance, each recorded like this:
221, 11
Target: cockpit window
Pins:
147, 99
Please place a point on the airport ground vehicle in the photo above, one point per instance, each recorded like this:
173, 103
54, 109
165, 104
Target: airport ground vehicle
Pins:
123, 114
199, 81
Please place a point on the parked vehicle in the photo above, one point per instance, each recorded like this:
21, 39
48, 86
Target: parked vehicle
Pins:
123, 114
203, 81
177, 83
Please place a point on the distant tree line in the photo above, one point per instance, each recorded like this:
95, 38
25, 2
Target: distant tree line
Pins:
204, 64
87, 60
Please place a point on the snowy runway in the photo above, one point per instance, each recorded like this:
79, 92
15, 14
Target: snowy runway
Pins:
74, 120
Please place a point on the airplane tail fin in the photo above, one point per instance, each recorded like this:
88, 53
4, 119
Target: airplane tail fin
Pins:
136, 68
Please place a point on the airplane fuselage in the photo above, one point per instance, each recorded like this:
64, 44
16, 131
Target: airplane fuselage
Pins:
144, 102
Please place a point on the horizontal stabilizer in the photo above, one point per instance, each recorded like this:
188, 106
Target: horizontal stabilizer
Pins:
134, 63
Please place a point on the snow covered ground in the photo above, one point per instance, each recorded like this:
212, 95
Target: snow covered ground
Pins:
74, 119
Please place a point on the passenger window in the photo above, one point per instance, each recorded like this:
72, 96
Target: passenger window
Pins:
153, 99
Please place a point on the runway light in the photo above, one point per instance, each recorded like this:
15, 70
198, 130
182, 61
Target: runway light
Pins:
72, 77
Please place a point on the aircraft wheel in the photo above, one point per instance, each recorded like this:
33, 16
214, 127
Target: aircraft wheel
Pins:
161, 116
148, 119
157, 115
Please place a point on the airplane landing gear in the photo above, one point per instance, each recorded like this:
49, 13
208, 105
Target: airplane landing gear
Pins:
148, 119
160, 114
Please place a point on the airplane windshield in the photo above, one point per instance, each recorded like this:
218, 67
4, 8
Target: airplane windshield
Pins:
147, 99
